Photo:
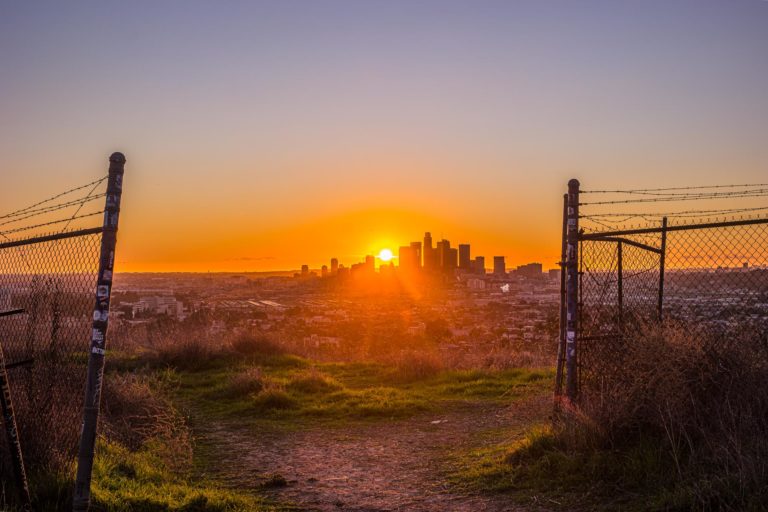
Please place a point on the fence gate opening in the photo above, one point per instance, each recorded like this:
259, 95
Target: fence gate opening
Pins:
692, 257
56, 258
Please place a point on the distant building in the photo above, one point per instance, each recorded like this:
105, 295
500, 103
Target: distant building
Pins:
430, 255
305, 270
334, 265
479, 265
529, 270
416, 248
554, 274
465, 262
452, 260
324, 271
499, 266
408, 258
370, 263
476, 284
443, 254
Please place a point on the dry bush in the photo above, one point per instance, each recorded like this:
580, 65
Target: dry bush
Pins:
247, 382
136, 413
704, 399
416, 365
251, 345
187, 351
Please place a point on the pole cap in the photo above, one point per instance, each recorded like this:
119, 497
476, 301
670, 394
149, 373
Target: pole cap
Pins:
117, 158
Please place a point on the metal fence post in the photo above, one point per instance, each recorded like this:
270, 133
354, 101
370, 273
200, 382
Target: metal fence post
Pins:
82, 495
620, 279
11, 430
572, 289
662, 262
561, 332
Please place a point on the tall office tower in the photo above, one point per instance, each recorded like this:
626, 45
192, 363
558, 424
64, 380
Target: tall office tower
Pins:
499, 267
370, 264
334, 265
304, 270
407, 258
441, 249
430, 261
324, 271
465, 262
479, 266
451, 259
416, 248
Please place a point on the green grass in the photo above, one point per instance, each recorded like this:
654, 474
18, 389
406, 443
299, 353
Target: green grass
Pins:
537, 467
289, 388
140, 481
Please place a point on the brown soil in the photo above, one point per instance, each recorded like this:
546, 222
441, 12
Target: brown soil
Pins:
385, 466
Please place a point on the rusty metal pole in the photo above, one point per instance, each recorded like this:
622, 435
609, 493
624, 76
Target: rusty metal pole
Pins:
11, 430
82, 495
561, 335
620, 270
572, 290
662, 262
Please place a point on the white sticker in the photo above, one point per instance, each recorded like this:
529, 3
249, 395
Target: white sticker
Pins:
97, 350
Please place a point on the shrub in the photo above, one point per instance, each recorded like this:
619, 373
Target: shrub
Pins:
273, 398
135, 413
250, 345
247, 382
187, 352
703, 400
410, 366
313, 382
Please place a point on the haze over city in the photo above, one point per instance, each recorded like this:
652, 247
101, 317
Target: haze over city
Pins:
266, 135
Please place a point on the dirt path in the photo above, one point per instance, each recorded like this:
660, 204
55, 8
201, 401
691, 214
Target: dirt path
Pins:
386, 466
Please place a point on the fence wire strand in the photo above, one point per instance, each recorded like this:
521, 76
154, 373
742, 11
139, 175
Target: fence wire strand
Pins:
715, 279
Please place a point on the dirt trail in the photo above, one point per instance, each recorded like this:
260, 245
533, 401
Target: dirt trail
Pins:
385, 466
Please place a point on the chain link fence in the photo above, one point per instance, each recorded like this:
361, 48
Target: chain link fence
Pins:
706, 278
46, 345
54, 305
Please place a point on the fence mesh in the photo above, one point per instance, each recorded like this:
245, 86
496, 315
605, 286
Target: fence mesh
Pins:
52, 277
708, 278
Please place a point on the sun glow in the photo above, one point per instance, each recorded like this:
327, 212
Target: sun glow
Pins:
385, 255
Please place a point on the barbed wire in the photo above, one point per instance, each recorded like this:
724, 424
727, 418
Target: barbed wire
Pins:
59, 221
688, 197
50, 209
641, 190
26, 209
82, 203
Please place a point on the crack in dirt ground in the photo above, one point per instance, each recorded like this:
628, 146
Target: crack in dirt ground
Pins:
398, 465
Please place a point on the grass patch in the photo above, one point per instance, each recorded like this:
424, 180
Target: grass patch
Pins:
285, 388
127, 481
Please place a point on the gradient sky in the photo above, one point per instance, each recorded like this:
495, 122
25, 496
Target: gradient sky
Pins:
264, 135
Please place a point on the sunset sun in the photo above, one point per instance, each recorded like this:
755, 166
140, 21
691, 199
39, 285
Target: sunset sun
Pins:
385, 255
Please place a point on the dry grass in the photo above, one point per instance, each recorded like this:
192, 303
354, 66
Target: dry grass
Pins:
136, 413
416, 365
703, 400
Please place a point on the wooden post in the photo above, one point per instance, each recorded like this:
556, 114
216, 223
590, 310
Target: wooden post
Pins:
572, 290
82, 495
